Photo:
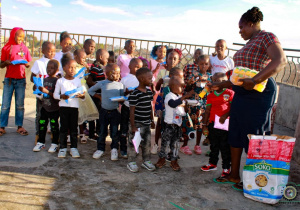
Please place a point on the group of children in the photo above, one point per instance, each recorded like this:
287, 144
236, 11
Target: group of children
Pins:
77, 89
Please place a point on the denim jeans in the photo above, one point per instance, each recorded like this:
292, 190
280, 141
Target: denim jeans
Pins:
109, 118
145, 143
9, 87
125, 112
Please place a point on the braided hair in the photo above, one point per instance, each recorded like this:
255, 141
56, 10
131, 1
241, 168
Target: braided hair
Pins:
253, 15
155, 48
174, 50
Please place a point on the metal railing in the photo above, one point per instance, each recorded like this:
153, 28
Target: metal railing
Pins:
34, 40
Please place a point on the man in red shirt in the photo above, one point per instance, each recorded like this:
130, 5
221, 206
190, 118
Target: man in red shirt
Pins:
218, 103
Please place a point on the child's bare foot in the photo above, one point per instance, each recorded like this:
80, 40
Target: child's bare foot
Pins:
229, 179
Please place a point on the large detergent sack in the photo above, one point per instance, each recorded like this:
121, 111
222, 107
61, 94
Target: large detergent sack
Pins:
267, 168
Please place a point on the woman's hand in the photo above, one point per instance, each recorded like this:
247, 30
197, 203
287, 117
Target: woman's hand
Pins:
27, 65
248, 83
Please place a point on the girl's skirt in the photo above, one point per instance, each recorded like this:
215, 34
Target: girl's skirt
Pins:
87, 109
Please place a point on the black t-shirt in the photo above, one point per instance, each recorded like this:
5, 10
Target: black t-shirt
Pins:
50, 104
143, 105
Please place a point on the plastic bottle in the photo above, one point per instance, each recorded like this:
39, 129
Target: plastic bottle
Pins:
204, 92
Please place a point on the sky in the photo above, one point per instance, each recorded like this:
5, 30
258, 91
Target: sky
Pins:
200, 22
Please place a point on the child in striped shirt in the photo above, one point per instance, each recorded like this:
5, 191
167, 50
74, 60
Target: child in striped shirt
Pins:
141, 116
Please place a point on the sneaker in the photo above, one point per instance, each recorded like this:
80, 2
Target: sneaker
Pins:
98, 154
154, 149
74, 152
133, 167
53, 148
62, 153
114, 154
148, 165
124, 154
225, 172
197, 150
186, 150
38, 147
209, 167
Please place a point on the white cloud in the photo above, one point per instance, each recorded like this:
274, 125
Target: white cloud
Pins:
36, 3
13, 18
14, 7
101, 9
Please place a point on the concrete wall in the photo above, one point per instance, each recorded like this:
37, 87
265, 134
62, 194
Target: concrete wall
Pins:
288, 106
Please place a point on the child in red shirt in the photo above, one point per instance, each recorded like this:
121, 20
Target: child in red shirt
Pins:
15, 79
218, 103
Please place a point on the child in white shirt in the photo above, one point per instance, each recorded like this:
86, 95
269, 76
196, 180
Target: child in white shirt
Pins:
39, 69
220, 62
68, 107
173, 119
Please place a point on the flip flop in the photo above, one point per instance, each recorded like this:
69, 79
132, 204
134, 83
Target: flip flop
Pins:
22, 131
224, 180
236, 185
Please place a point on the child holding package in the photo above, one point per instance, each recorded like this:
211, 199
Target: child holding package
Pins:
49, 109
66, 47
197, 82
220, 62
162, 80
15, 79
124, 59
109, 114
218, 104
130, 81
87, 109
68, 107
96, 75
39, 69
141, 117
172, 132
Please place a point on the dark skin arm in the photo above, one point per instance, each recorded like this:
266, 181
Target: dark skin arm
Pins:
278, 62
31, 77
158, 84
89, 81
3, 64
97, 96
44, 90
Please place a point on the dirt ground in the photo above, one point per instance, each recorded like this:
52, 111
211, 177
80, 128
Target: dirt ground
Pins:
40, 180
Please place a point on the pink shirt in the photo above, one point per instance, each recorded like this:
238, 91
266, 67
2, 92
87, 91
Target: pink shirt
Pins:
123, 62
153, 64
15, 52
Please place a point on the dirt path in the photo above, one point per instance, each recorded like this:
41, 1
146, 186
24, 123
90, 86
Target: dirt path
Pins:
42, 181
